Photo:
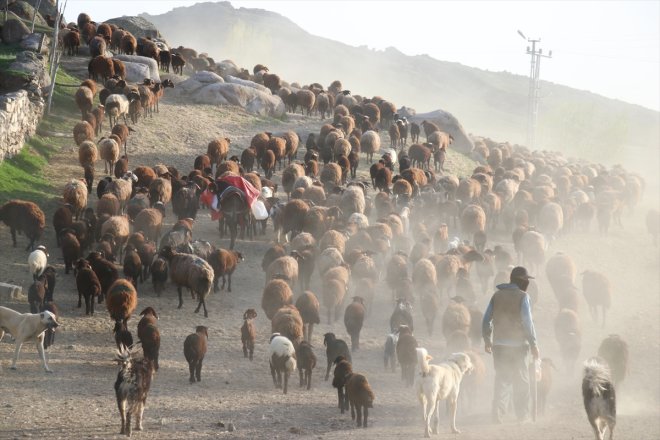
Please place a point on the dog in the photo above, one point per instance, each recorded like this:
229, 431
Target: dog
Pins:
26, 327
599, 396
434, 383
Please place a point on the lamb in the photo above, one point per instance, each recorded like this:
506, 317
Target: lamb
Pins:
194, 350
248, 332
88, 285
615, 351
276, 295
288, 322
131, 388
83, 131
224, 263
406, 354
70, 249
597, 290
308, 306
545, 384
334, 348
353, 320
360, 396
192, 272
285, 268
282, 356
306, 360
149, 335
37, 293
109, 152
569, 336
25, 217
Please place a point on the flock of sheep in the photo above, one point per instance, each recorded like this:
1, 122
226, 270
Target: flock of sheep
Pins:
416, 229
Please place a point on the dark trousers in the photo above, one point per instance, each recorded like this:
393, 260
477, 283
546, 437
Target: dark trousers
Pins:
511, 372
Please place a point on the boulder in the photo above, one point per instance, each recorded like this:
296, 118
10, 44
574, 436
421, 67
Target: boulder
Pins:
26, 11
227, 67
138, 26
208, 88
34, 43
14, 30
28, 68
447, 123
244, 82
149, 62
45, 6
136, 72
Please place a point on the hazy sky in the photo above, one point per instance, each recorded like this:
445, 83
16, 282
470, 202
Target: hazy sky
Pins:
608, 47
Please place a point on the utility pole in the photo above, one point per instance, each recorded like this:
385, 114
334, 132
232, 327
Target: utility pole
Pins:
534, 93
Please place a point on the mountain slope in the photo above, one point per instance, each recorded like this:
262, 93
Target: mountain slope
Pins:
487, 103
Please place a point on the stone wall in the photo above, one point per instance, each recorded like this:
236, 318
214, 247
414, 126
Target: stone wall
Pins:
19, 117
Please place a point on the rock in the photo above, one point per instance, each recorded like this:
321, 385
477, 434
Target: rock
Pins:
14, 30
136, 72
448, 123
137, 26
149, 62
26, 11
34, 43
206, 77
247, 83
227, 67
407, 112
27, 67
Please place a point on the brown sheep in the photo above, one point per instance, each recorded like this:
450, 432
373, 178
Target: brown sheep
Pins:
128, 44
289, 176
306, 360
87, 154
217, 150
473, 220
308, 306
87, 284
276, 295
224, 263
160, 190
568, 332
119, 68
194, 350
597, 290
272, 253
248, 332
121, 301
305, 100
333, 293
25, 217
83, 131
71, 42
84, 97
101, 67
283, 268
455, 317
75, 194
288, 322
109, 152
615, 351
268, 163
353, 320
107, 204
360, 396
331, 176
97, 46
192, 272
118, 226
278, 146
290, 219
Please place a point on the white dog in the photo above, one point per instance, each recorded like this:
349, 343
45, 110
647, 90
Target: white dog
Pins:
434, 383
26, 327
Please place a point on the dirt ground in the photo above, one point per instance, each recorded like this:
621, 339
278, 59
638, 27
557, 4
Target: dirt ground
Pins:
77, 400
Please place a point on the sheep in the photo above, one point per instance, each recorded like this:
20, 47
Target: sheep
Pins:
71, 251
406, 353
308, 306
132, 266
333, 296
329, 258
276, 294
288, 322
545, 384
131, 388
455, 317
97, 46
389, 352
38, 261
402, 315
569, 336
282, 357
224, 263
370, 144
248, 333
597, 290
194, 350
551, 220
117, 106
192, 272
109, 152
532, 246
83, 131
25, 217
306, 360
37, 293
305, 100
285, 268
101, 66
119, 227
473, 220
71, 42
271, 254
353, 320
360, 396
159, 272
84, 97
217, 150
150, 221
87, 284
160, 190
289, 176
615, 352
334, 348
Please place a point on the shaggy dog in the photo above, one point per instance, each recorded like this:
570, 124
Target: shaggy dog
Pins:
26, 327
599, 397
438, 382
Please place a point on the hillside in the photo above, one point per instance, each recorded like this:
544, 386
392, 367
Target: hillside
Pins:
487, 103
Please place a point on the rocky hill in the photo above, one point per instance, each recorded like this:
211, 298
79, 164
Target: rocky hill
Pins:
487, 103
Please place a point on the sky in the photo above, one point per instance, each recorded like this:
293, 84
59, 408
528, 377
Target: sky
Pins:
611, 48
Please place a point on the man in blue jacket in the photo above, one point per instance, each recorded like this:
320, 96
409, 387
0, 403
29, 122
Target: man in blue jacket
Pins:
508, 332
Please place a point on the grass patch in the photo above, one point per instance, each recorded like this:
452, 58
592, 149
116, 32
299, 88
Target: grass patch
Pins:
21, 177
459, 164
8, 55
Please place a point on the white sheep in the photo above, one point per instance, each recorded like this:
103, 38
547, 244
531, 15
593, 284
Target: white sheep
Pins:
37, 261
282, 356
116, 105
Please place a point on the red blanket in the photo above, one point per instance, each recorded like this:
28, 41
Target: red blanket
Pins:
251, 193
